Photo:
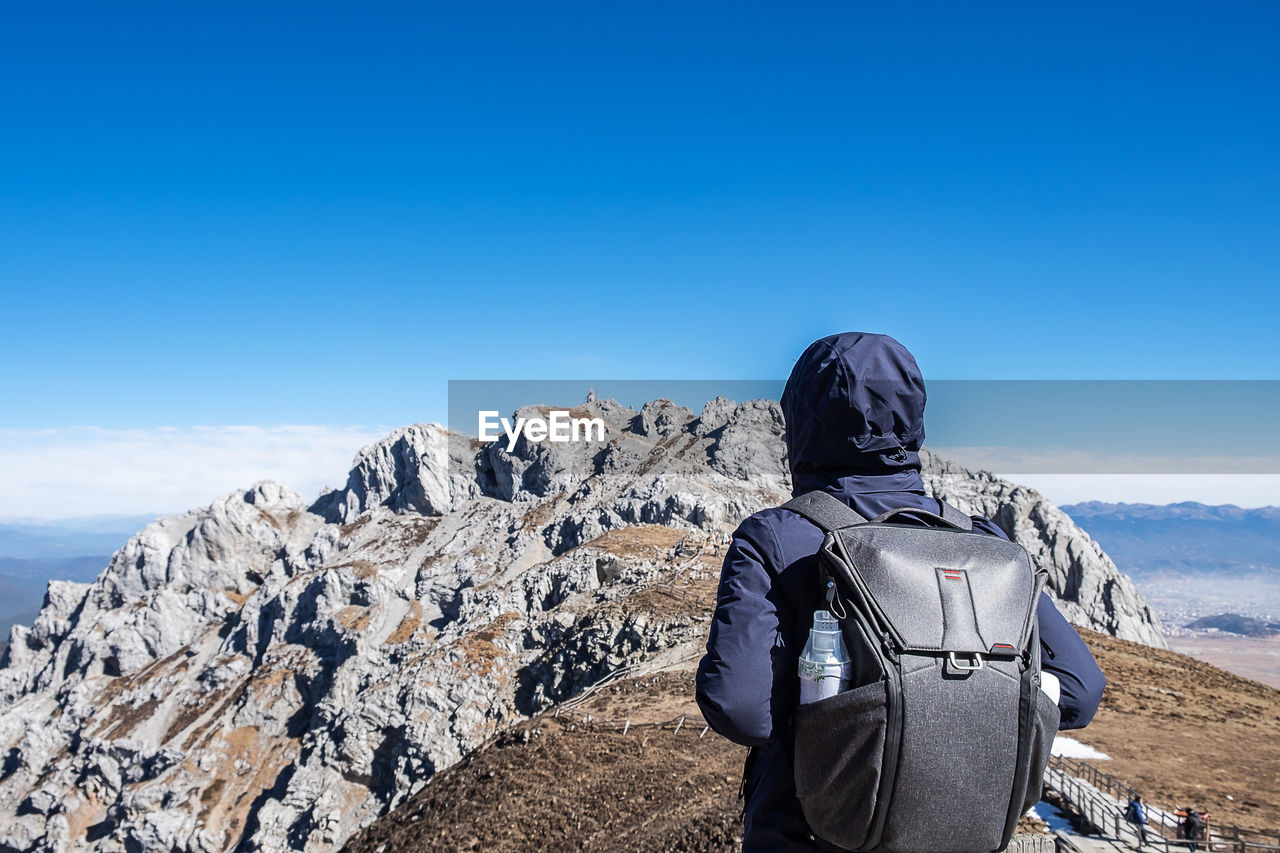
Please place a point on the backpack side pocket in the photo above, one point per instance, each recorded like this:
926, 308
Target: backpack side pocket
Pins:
839, 753
1044, 727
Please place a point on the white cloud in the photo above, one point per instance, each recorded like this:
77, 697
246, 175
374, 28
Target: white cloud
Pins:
77, 471
58, 473
1054, 460
1067, 476
1246, 490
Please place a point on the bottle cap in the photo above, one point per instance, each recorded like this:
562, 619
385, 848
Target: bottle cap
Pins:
826, 632
824, 621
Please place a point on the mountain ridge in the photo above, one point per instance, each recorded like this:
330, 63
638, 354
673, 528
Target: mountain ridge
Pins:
1234, 623
1186, 536
269, 672
1178, 509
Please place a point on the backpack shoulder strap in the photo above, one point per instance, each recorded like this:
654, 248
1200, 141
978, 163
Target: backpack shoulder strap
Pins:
825, 510
830, 513
947, 516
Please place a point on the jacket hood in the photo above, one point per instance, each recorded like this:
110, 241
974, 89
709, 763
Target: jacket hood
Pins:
854, 409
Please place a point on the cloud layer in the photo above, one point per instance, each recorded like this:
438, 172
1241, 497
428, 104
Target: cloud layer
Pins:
1071, 476
1246, 490
77, 471
58, 473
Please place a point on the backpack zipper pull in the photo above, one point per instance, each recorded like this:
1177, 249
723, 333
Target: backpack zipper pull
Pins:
834, 607
890, 647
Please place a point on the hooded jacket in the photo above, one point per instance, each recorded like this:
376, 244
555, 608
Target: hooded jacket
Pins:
854, 410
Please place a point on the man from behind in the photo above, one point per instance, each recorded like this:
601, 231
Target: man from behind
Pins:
854, 410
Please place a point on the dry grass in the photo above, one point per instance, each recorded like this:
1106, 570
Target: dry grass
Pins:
238, 597
189, 713
408, 626
351, 527
541, 515
479, 648
646, 541
354, 618
126, 714
1187, 733
557, 786
414, 532
362, 569
269, 518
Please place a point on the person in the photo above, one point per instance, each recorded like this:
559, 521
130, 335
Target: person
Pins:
854, 411
1136, 814
1192, 827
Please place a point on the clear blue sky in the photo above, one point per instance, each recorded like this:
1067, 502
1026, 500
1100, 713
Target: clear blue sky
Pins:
265, 214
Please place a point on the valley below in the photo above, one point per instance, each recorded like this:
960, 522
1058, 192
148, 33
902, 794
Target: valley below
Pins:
1249, 657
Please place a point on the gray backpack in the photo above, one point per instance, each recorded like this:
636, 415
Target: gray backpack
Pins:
941, 741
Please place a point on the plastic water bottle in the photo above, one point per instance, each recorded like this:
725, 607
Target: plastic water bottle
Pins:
825, 667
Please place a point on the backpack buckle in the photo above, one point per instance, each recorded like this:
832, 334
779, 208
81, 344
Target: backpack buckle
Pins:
976, 665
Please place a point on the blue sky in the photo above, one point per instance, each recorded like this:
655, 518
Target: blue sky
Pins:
239, 215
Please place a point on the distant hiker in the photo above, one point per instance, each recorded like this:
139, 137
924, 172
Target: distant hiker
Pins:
1136, 814
854, 410
1192, 828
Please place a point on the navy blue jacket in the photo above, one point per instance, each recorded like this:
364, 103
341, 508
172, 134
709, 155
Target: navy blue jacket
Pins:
854, 409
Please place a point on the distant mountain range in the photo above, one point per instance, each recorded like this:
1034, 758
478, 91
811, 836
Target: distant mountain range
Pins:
36, 539
1191, 560
22, 583
1234, 623
34, 552
1186, 537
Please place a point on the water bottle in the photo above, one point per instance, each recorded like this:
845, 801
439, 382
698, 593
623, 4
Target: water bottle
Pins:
825, 667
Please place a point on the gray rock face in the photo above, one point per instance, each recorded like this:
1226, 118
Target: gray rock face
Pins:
406, 471
264, 674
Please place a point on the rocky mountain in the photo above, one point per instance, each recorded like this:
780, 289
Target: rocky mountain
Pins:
268, 673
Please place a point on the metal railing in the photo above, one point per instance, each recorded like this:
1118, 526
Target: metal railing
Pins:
1029, 843
1080, 783
1063, 844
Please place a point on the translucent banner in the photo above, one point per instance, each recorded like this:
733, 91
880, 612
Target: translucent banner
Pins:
1180, 427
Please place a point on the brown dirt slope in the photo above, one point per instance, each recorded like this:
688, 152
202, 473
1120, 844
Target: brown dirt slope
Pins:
1184, 732
1181, 730
561, 783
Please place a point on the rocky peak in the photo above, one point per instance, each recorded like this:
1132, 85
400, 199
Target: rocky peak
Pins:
408, 471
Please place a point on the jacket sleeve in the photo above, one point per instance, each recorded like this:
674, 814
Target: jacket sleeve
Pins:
735, 676
1063, 653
